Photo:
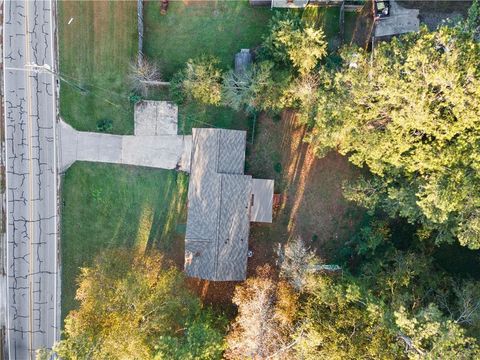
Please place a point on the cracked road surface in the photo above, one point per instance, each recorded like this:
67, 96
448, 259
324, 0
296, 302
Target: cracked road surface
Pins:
30, 112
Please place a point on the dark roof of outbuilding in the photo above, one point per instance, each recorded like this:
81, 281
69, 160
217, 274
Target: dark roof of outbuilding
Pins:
243, 60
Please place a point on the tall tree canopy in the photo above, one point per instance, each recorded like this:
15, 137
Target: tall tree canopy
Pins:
398, 304
199, 80
266, 309
135, 307
411, 113
293, 42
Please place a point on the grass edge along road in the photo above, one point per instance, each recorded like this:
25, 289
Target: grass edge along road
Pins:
96, 50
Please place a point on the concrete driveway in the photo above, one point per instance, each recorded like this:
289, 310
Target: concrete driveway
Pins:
155, 143
160, 151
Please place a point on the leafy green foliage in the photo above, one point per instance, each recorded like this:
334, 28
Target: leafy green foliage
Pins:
429, 335
400, 307
135, 306
199, 80
412, 115
134, 98
201, 340
254, 89
105, 125
294, 43
341, 321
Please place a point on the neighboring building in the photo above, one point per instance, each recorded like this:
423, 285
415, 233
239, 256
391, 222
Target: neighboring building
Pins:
222, 202
292, 4
289, 3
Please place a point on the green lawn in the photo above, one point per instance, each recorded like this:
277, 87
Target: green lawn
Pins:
193, 28
326, 18
108, 206
95, 52
190, 29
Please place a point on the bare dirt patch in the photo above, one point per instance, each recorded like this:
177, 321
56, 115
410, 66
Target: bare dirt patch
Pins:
434, 12
313, 205
217, 293
364, 26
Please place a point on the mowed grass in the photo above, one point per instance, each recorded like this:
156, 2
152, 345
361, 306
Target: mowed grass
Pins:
327, 19
95, 52
106, 206
194, 28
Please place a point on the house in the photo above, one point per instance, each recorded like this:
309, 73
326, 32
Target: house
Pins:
295, 4
222, 201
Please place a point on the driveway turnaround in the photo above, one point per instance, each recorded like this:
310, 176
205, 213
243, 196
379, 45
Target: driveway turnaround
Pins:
155, 143
30, 112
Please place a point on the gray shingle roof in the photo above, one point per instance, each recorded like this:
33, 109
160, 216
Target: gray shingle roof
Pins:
219, 201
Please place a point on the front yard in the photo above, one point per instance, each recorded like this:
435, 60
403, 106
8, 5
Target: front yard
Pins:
96, 50
108, 205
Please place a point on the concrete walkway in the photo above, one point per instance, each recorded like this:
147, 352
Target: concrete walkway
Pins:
164, 150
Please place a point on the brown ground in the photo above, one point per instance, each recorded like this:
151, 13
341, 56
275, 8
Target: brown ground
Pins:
213, 292
363, 28
314, 208
434, 12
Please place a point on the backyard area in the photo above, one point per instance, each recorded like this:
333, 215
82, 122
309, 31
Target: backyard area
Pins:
194, 28
107, 206
217, 28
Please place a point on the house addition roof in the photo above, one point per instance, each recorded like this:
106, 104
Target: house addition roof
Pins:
219, 206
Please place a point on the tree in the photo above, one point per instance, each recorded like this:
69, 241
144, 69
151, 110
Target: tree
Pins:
143, 74
301, 95
411, 114
201, 340
265, 311
136, 306
200, 80
294, 260
342, 321
429, 335
294, 43
254, 89
398, 305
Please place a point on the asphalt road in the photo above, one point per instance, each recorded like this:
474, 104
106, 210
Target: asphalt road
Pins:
30, 113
